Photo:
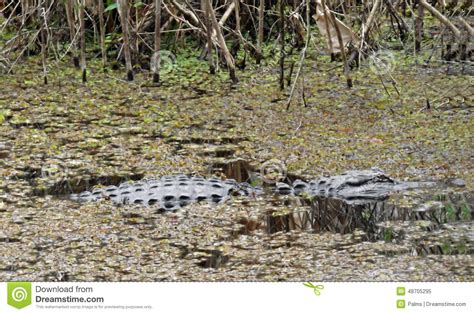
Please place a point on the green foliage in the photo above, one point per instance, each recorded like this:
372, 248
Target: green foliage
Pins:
111, 37
256, 181
388, 235
450, 212
19, 119
450, 248
111, 6
466, 212
461, 248
138, 4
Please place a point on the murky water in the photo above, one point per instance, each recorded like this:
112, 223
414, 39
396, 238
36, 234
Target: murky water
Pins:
259, 237
423, 233
68, 137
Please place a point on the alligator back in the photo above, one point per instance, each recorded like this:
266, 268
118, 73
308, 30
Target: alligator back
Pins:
175, 191
170, 192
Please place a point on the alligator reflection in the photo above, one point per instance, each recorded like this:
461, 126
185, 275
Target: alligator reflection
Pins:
320, 214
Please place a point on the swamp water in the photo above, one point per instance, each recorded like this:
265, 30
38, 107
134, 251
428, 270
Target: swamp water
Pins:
68, 137
416, 234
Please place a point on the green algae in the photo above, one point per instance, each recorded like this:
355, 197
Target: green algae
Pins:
68, 136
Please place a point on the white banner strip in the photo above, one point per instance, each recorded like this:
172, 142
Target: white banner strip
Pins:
244, 297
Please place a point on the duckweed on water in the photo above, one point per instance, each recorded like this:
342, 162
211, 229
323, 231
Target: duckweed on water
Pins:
68, 137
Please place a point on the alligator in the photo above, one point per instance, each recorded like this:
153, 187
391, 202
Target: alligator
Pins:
172, 192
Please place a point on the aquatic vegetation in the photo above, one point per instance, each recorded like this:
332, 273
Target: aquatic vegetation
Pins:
68, 137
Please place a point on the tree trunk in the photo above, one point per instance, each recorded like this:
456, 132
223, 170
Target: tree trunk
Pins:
156, 56
44, 39
102, 33
343, 50
466, 25
371, 19
419, 27
281, 7
228, 57
82, 7
207, 9
343, 53
237, 16
124, 18
303, 56
441, 18
261, 14
227, 13
24, 11
72, 31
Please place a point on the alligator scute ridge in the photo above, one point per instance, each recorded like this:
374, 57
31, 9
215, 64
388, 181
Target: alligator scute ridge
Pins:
172, 192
